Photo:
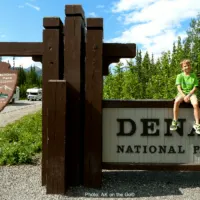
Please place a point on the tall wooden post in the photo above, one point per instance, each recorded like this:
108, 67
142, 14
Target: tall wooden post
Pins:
52, 69
74, 75
56, 170
93, 103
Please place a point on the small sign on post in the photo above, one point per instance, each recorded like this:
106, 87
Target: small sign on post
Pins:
8, 82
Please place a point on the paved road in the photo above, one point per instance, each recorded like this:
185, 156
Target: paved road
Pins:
13, 112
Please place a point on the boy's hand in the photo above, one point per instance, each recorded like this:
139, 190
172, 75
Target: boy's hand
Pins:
187, 98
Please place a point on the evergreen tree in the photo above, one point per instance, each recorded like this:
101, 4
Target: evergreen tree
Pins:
156, 80
21, 76
194, 38
146, 74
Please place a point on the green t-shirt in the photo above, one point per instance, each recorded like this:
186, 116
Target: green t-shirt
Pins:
187, 82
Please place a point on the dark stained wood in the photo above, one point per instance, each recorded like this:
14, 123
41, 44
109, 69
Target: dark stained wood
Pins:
107, 61
93, 104
112, 52
37, 58
95, 23
74, 10
8, 82
56, 171
119, 50
21, 48
52, 69
143, 103
52, 22
151, 166
74, 75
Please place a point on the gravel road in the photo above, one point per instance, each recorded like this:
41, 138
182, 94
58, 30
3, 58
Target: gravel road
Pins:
24, 182
13, 112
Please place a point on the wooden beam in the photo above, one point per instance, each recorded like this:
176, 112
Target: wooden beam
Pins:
52, 23
74, 66
52, 69
56, 117
112, 52
93, 104
21, 49
119, 50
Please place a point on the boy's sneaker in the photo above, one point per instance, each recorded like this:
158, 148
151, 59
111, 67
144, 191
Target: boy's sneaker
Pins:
197, 128
174, 125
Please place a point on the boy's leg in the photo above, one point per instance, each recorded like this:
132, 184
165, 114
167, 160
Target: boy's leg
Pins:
195, 104
177, 102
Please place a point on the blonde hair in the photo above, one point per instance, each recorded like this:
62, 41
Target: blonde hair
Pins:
187, 61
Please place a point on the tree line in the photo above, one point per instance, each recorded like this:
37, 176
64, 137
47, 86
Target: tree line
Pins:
142, 77
28, 79
147, 78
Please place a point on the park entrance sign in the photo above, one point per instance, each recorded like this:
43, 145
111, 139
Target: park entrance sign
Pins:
82, 133
8, 81
142, 135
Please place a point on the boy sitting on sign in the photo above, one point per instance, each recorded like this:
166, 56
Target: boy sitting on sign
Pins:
187, 84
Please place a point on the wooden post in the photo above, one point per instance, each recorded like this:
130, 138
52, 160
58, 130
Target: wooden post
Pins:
93, 103
52, 69
74, 75
56, 171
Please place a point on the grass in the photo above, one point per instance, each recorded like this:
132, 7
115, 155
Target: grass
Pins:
21, 141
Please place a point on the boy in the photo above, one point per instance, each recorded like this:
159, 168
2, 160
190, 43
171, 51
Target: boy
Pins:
187, 84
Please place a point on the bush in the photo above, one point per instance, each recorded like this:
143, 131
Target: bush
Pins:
22, 140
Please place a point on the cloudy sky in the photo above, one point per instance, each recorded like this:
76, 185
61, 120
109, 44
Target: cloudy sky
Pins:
152, 24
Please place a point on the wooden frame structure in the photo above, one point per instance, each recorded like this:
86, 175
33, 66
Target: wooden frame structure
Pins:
74, 60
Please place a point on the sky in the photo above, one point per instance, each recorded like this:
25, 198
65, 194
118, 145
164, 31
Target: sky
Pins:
153, 25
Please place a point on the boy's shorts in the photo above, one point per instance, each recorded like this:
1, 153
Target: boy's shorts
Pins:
193, 98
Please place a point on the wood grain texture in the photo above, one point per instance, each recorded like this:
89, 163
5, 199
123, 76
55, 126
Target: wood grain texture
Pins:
56, 123
93, 105
21, 49
53, 66
74, 75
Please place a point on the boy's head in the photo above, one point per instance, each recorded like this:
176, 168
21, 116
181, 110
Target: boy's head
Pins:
185, 62
185, 65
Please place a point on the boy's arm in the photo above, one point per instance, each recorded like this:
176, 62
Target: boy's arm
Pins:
196, 83
192, 91
180, 90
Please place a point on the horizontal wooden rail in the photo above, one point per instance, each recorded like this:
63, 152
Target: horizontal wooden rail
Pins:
21, 49
112, 52
143, 103
120, 50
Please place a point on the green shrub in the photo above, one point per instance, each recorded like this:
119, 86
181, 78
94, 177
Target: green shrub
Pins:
22, 140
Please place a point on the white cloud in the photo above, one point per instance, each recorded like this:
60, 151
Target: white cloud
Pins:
124, 5
32, 6
154, 24
92, 14
24, 62
100, 6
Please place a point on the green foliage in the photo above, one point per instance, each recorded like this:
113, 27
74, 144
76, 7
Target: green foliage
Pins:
20, 141
149, 79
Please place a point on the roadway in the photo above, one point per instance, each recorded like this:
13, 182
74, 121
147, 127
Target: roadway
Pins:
15, 111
